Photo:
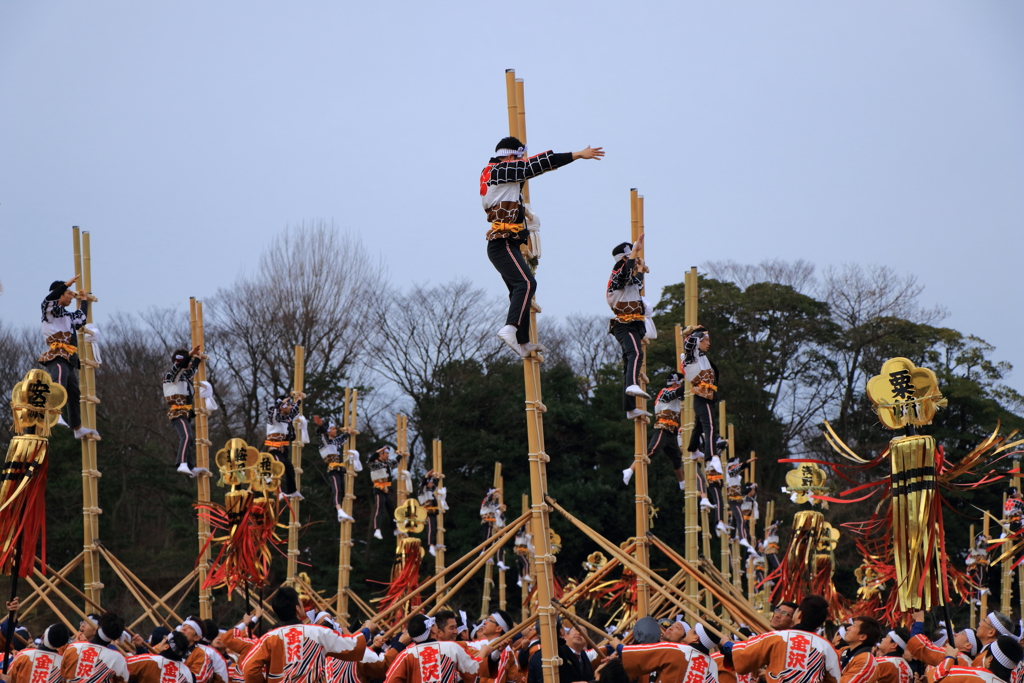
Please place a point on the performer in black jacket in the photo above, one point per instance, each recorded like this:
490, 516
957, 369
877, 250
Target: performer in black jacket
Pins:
623, 296
382, 474
178, 393
501, 187
280, 434
666, 428
332, 450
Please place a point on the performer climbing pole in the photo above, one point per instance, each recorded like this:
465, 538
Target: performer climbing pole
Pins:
503, 187
202, 404
345, 540
297, 431
505, 195
90, 468
492, 516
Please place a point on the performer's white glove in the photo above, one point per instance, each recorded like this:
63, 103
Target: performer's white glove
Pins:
532, 219
357, 464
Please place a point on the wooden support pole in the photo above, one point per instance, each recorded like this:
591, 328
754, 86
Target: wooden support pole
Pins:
202, 432
521, 116
298, 383
404, 488
32, 601
349, 421
513, 106
527, 584
974, 608
692, 499
439, 543
642, 500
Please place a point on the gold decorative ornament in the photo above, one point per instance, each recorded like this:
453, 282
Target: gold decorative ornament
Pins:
410, 517
905, 394
36, 402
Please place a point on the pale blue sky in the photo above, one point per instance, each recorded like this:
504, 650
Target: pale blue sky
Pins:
184, 135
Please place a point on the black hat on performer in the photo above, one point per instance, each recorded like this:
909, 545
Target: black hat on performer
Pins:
57, 289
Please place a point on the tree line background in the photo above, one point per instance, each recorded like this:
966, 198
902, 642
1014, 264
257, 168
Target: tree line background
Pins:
794, 347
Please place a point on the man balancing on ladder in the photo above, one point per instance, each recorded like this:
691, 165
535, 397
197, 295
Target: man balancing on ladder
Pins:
501, 190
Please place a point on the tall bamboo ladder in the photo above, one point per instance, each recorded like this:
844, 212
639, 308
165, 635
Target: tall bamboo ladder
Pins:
294, 523
642, 497
349, 422
202, 431
535, 408
90, 468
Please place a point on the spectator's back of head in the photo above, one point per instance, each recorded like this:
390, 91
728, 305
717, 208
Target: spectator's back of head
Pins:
813, 612
111, 626
284, 603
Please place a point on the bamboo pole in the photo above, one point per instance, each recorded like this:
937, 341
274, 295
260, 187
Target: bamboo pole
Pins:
513, 105
502, 602
527, 586
404, 489
123, 571
974, 610
577, 593
642, 500
202, 433
984, 595
485, 602
349, 420
521, 120
439, 544
90, 508
1020, 573
189, 579
361, 604
1007, 582
692, 498
725, 561
298, 383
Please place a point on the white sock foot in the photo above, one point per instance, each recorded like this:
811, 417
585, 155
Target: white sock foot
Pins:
82, 431
433, 550
344, 516
635, 413
507, 334
627, 474
635, 390
682, 486
62, 423
183, 468
705, 504
378, 535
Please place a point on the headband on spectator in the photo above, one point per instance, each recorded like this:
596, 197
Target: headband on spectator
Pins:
500, 622
972, 638
427, 625
704, 638
997, 625
1000, 657
899, 641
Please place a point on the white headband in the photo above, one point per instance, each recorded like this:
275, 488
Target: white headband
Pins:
997, 625
704, 638
842, 632
506, 152
465, 621
623, 254
500, 622
1000, 657
103, 636
46, 638
942, 639
899, 641
972, 638
686, 627
189, 621
427, 625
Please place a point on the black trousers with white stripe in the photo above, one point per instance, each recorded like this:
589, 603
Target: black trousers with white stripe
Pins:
63, 374
630, 337
515, 271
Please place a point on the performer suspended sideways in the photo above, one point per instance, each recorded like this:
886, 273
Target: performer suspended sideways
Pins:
178, 393
501, 191
628, 327
60, 329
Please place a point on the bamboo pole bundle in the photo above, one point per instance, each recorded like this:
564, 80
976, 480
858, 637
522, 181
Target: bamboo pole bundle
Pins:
439, 546
974, 610
202, 431
769, 518
686, 604
1020, 573
692, 495
1006, 595
298, 383
532, 568
485, 603
642, 498
446, 590
752, 529
521, 120
90, 469
349, 422
32, 601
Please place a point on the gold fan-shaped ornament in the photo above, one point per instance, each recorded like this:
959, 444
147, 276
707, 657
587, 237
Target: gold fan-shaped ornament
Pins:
595, 561
36, 402
410, 517
268, 474
904, 394
804, 480
828, 538
237, 463
556, 541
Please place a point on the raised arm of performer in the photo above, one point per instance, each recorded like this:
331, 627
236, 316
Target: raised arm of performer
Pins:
178, 393
501, 192
627, 326
60, 330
